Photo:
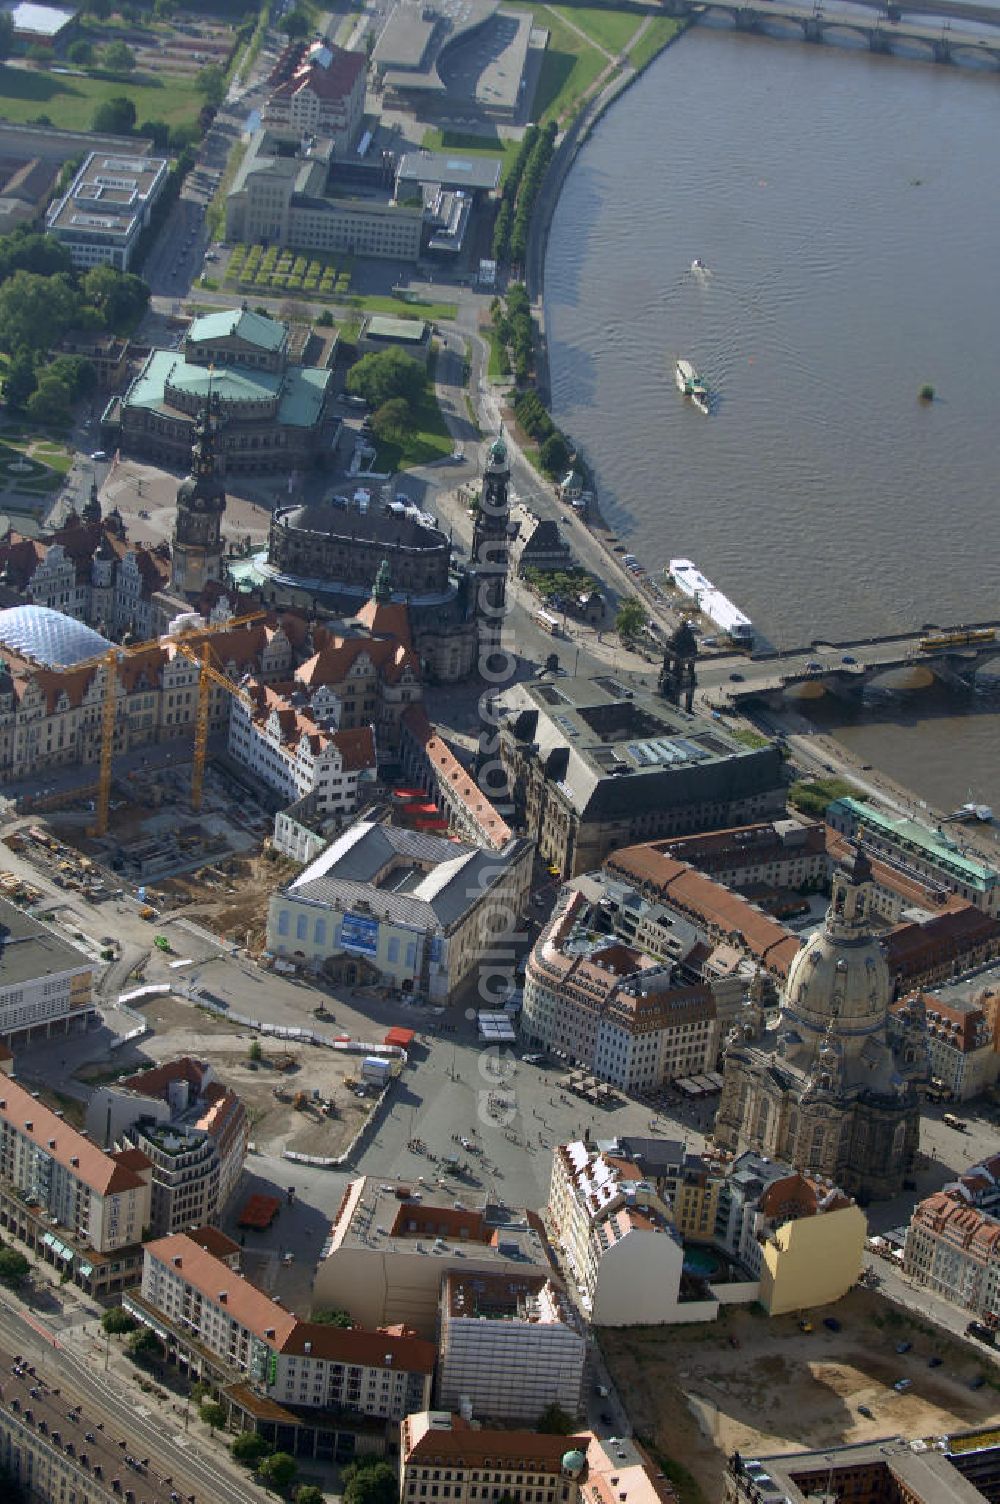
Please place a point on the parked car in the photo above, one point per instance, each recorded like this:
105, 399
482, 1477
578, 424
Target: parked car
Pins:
902, 1385
866, 1412
934, 1361
99, 455
831, 1323
903, 1347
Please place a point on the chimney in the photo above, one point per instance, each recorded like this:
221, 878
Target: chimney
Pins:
223, 1297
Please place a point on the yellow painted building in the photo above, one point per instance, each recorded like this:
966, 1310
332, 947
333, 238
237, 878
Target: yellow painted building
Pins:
812, 1260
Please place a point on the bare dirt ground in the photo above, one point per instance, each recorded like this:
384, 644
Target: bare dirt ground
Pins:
243, 885
269, 1087
697, 1398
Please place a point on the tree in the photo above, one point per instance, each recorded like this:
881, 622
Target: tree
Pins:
115, 117
144, 1344
35, 311
99, 8
554, 1421
213, 1414
27, 250
51, 401
332, 1317
158, 132
554, 454
6, 34
14, 1267
76, 371
118, 58
295, 25
377, 1484
81, 53
279, 1470
308, 1493
20, 380
389, 373
631, 617
391, 420
211, 82
249, 1448
118, 1321
255, 1052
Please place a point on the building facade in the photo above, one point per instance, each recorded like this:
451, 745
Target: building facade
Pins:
106, 208
826, 1090
953, 1242
593, 765
961, 1047
412, 911
191, 1128
46, 984
631, 1020
317, 89
509, 1347
208, 1311
377, 1264
919, 850
72, 1204
272, 415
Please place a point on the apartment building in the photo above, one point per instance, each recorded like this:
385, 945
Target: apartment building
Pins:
890, 1467
217, 1322
961, 1047
953, 1241
193, 1130
297, 753
618, 1236
70, 1202
767, 854
390, 1246
45, 982
632, 1020
509, 1346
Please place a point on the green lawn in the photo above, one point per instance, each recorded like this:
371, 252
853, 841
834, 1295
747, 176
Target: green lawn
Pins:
610, 29
472, 145
427, 440
499, 362
569, 67
70, 102
659, 33
402, 308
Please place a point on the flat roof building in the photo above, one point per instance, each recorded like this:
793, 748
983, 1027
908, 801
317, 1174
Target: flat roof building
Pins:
390, 1246
887, 1468
447, 170
40, 24
107, 207
596, 764
45, 983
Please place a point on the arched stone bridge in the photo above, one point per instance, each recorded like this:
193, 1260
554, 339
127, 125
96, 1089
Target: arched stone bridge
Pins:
941, 42
846, 669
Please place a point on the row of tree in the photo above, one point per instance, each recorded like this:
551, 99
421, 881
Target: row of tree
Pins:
513, 222
553, 450
393, 384
513, 326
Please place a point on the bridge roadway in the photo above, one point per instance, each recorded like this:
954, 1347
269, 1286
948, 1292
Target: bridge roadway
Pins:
841, 668
942, 41
944, 10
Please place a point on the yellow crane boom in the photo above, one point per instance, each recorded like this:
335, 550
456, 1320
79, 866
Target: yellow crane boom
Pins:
193, 647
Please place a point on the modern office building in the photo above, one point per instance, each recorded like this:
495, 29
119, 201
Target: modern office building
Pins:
594, 765
415, 911
389, 1249
508, 1346
889, 1468
74, 1205
45, 982
107, 207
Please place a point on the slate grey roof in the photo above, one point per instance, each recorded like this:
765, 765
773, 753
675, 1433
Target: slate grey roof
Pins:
29, 949
347, 875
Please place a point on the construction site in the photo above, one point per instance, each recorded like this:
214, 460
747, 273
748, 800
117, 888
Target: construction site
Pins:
300, 1098
794, 1385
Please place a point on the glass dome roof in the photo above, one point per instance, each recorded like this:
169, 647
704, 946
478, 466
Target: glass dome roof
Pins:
49, 637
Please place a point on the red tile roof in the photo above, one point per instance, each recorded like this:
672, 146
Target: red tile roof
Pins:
103, 1173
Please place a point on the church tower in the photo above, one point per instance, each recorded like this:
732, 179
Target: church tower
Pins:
201, 502
490, 544
677, 676
92, 509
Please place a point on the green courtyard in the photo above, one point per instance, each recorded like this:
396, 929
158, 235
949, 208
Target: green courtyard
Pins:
69, 101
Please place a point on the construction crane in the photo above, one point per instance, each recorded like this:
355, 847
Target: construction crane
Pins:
199, 652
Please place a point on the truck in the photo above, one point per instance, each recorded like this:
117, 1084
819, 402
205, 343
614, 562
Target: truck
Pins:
951, 1121
982, 1333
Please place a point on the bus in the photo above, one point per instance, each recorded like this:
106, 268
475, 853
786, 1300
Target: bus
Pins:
547, 621
951, 1121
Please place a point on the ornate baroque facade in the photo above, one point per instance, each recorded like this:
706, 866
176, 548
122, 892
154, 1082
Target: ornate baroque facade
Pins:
825, 1089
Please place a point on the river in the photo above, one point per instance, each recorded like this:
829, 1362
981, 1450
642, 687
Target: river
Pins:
846, 206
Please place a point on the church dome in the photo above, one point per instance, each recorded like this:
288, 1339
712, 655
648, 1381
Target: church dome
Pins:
841, 973
574, 1461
